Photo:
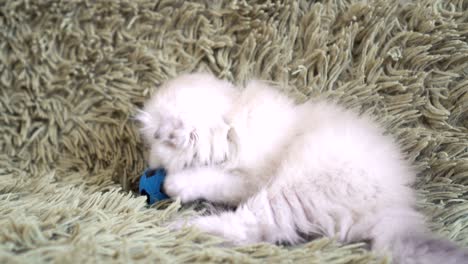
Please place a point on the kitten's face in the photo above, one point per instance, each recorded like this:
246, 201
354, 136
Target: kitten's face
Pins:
172, 144
183, 122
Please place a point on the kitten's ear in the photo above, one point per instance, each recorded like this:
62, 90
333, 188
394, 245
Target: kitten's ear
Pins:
142, 117
146, 124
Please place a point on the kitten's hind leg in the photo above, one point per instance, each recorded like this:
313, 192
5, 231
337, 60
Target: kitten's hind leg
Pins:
266, 217
242, 226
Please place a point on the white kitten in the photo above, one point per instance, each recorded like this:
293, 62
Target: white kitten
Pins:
294, 171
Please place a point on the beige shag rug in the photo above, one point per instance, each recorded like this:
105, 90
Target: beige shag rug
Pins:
73, 73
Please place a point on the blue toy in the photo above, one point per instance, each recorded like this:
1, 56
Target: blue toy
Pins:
150, 185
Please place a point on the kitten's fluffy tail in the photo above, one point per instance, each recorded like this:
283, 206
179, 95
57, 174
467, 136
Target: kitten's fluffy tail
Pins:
421, 248
402, 234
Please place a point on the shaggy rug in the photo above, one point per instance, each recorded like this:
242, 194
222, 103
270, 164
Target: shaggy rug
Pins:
73, 73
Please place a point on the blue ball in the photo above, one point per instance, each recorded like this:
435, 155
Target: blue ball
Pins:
151, 183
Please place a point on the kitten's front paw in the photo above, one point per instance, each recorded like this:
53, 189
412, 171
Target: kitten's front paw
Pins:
176, 186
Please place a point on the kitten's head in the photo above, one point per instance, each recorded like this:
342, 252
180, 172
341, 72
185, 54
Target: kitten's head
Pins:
183, 122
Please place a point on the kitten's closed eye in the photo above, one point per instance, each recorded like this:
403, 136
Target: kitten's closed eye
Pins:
156, 135
231, 135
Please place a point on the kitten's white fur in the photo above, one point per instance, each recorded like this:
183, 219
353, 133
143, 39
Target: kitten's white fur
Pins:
294, 171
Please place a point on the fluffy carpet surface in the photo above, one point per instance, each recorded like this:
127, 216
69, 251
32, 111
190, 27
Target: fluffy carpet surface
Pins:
73, 73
